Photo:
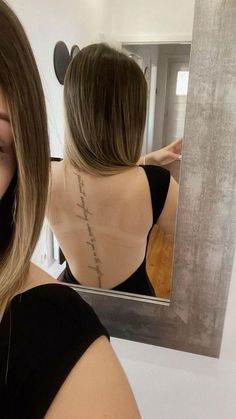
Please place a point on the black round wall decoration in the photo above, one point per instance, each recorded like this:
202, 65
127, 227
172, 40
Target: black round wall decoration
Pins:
61, 60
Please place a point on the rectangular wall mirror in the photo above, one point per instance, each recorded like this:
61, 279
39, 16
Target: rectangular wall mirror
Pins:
166, 69
187, 97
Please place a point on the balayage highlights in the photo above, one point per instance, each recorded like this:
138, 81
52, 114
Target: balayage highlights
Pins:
21, 85
105, 99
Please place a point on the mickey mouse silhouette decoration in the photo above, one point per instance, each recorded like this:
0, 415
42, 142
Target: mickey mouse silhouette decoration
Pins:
62, 58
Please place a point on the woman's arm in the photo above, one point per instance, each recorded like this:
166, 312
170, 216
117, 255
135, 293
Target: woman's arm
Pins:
164, 156
96, 388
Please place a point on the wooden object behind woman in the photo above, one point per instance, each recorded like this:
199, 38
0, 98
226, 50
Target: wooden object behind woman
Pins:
159, 261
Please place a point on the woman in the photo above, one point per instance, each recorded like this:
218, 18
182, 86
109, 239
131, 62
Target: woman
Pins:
102, 204
55, 357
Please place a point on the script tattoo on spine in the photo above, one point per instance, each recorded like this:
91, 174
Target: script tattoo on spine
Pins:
84, 216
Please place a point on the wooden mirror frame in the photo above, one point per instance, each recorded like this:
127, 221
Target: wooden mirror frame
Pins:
206, 221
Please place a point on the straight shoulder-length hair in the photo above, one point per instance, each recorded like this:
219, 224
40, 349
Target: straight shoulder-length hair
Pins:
21, 86
105, 97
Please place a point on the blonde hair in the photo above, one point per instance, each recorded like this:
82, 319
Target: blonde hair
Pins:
105, 105
20, 83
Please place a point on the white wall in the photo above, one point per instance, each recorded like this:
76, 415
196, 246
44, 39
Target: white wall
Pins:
152, 20
46, 22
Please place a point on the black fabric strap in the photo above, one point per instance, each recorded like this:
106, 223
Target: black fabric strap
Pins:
56, 158
159, 181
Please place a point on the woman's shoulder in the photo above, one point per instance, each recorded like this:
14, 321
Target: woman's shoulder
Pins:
55, 295
50, 327
61, 309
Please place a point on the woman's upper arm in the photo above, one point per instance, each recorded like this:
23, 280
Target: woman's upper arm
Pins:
95, 388
166, 220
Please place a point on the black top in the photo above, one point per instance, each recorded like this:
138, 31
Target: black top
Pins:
138, 282
43, 334
6, 215
159, 182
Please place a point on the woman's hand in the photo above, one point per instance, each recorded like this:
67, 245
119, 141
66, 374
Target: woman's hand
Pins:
165, 155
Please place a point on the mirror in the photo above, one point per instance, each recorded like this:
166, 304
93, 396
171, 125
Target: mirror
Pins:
204, 247
203, 254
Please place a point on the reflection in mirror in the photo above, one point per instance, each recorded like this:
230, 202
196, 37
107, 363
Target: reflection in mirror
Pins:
166, 69
113, 197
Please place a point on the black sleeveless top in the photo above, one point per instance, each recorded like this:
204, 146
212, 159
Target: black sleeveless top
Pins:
43, 334
139, 283
6, 215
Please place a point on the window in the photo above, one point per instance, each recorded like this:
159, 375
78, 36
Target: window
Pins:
182, 83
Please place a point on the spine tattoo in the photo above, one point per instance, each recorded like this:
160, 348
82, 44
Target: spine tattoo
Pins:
85, 215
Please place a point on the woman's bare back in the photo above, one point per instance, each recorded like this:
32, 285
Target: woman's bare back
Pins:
101, 223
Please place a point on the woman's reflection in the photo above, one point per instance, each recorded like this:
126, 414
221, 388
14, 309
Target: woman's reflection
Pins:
103, 204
